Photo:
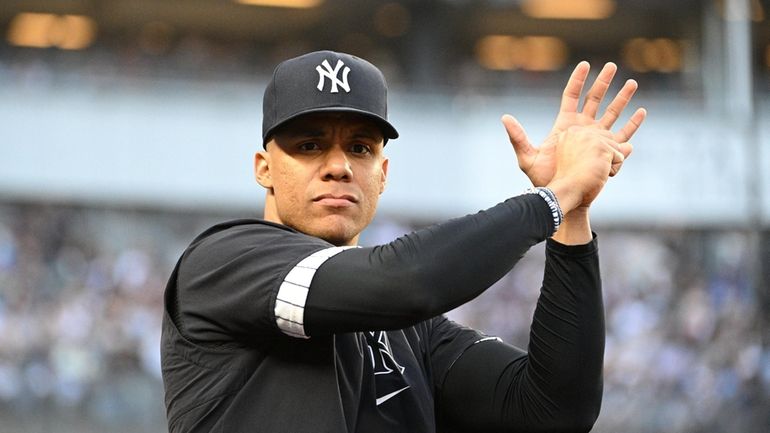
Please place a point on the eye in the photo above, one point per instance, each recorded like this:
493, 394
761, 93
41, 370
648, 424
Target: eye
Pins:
308, 146
360, 148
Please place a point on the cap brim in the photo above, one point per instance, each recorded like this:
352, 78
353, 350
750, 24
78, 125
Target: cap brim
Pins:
388, 131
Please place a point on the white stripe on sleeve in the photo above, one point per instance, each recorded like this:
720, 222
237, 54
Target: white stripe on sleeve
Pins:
292, 294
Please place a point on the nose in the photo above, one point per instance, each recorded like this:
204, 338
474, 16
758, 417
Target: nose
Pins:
336, 165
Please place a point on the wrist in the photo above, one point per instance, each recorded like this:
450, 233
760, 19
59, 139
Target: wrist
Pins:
575, 229
578, 213
553, 204
567, 196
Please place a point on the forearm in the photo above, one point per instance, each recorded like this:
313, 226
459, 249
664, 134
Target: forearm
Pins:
566, 348
425, 273
575, 228
558, 385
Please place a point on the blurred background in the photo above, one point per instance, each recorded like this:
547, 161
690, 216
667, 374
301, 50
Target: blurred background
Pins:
129, 126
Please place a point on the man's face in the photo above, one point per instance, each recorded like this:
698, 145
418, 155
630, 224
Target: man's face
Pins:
324, 173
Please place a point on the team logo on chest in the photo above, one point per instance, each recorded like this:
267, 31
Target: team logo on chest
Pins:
381, 354
325, 71
388, 373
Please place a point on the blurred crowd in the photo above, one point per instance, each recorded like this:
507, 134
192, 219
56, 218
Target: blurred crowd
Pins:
81, 300
80, 311
684, 349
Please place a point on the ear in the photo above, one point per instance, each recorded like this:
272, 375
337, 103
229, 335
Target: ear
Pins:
262, 169
384, 174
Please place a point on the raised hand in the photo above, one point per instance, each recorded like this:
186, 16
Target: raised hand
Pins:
539, 163
584, 157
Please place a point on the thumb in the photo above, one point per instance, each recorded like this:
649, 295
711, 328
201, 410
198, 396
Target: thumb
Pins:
618, 156
626, 149
518, 138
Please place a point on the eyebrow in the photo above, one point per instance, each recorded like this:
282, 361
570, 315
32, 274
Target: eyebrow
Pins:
308, 132
366, 133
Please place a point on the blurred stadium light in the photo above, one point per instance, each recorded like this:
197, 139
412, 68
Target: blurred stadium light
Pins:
569, 10
301, 4
36, 30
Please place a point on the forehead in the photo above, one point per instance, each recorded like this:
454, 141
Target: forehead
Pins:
318, 124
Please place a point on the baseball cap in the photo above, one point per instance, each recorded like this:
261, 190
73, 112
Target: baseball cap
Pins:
325, 81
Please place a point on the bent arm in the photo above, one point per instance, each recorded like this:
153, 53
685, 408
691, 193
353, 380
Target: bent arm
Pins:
425, 273
558, 385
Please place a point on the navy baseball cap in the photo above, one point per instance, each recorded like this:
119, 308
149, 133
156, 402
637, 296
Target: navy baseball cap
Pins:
325, 81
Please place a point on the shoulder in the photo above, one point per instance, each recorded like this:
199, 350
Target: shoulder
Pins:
446, 335
248, 239
243, 227
250, 233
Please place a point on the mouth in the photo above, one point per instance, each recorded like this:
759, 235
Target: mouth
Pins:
335, 200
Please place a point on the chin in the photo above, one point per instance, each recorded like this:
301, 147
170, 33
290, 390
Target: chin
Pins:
337, 238
336, 231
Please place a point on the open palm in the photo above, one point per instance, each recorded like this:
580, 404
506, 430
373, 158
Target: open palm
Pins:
539, 163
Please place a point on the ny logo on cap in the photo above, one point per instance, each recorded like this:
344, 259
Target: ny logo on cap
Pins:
331, 74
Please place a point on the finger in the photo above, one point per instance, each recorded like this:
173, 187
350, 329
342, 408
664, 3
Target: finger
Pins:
571, 96
616, 107
518, 137
633, 124
599, 89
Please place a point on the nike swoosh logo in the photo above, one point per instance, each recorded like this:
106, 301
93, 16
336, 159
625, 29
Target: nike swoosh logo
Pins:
387, 397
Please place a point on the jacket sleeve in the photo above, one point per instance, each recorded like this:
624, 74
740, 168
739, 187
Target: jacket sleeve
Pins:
557, 386
426, 273
256, 281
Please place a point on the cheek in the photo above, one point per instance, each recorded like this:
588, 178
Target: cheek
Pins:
287, 188
372, 190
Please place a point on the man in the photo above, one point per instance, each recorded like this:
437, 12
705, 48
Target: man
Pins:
283, 325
